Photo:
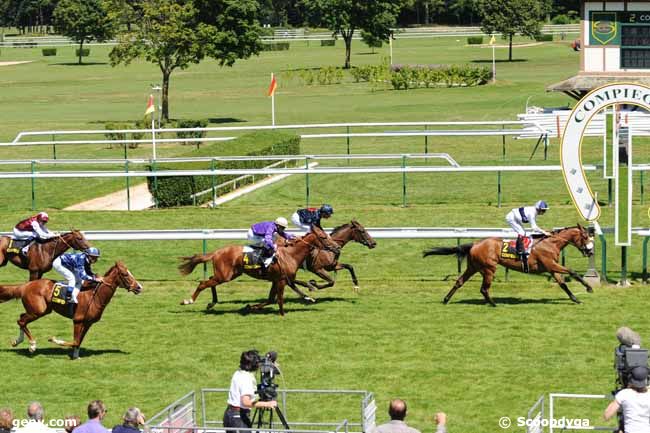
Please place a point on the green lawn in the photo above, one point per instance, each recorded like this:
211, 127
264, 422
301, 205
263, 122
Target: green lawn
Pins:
394, 338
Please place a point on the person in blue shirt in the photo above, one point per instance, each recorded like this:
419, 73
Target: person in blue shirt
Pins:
263, 234
305, 218
76, 268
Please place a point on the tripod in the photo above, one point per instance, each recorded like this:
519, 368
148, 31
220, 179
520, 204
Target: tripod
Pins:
260, 414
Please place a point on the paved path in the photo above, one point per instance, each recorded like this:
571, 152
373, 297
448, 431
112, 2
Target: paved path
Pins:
140, 199
15, 63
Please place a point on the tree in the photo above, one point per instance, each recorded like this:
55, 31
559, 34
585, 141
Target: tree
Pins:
509, 17
83, 21
343, 17
174, 34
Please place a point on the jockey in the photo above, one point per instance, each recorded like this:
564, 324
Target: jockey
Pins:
306, 218
527, 214
32, 228
75, 268
262, 234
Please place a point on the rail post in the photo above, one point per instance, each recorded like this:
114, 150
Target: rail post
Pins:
426, 140
205, 264
347, 139
503, 143
307, 181
155, 183
54, 147
128, 192
545, 147
609, 192
603, 258
33, 169
641, 187
498, 189
624, 282
644, 275
404, 204
213, 167
459, 259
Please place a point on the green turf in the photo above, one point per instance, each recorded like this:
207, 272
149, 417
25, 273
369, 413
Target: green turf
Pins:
394, 338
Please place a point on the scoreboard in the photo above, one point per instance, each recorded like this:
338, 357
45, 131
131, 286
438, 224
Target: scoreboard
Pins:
628, 30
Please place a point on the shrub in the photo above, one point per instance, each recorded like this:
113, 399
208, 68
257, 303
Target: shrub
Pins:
177, 190
49, 52
116, 135
544, 37
327, 42
191, 123
275, 46
561, 19
475, 40
403, 77
85, 52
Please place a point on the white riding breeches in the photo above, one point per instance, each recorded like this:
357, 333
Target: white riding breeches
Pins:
295, 219
516, 225
65, 272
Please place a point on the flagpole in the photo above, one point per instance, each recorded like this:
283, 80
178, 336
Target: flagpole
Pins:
272, 103
494, 63
153, 136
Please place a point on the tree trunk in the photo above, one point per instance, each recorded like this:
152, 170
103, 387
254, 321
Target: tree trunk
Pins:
510, 49
426, 13
81, 47
347, 37
165, 96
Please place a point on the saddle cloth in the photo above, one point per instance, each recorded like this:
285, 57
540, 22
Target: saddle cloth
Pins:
253, 257
60, 293
16, 245
509, 248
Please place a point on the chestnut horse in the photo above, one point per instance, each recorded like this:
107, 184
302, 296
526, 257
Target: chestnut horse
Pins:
37, 299
321, 261
228, 264
484, 256
41, 254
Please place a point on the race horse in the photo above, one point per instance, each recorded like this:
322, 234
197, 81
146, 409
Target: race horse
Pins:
39, 299
321, 261
228, 264
484, 256
41, 254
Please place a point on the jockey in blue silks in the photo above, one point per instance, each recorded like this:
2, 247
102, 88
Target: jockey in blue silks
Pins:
75, 268
306, 218
262, 235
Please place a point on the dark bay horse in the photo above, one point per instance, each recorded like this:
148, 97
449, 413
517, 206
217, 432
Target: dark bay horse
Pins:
321, 261
484, 256
228, 264
37, 299
41, 254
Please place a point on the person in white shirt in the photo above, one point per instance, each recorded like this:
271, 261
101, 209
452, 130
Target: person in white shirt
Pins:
241, 396
519, 216
35, 415
634, 401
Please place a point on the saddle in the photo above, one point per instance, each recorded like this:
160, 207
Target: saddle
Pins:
16, 245
509, 248
253, 257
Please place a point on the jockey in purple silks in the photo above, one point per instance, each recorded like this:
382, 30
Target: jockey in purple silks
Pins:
262, 235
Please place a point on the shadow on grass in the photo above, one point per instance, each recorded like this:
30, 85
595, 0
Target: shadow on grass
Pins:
514, 301
271, 308
77, 64
225, 120
499, 61
62, 351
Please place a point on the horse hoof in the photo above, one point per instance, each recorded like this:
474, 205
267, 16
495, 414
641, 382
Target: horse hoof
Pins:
309, 299
186, 302
14, 343
32, 348
210, 305
445, 301
590, 290
356, 289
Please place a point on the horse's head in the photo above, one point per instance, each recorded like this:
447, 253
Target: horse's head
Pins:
75, 239
583, 240
359, 234
124, 278
324, 241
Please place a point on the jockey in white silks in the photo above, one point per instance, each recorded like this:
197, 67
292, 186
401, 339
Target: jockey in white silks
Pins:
519, 216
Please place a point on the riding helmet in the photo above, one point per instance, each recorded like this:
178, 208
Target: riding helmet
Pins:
92, 251
326, 209
43, 217
282, 222
541, 205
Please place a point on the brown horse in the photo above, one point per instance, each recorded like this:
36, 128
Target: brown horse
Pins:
484, 256
37, 299
228, 264
321, 261
41, 254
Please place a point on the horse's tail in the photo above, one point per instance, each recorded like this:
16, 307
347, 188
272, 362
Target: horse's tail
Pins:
7, 293
461, 251
189, 263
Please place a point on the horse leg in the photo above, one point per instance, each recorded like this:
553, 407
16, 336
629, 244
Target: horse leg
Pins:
459, 282
329, 280
24, 319
271, 299
280, 291
210, 282
488, 275
560, 280
350, 269
300, 292
79, 331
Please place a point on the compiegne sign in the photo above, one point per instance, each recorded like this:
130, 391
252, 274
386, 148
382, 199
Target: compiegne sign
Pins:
570, 150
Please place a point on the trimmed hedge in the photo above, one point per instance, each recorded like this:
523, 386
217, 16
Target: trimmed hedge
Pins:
475, 40
49, 52
84, 52
275, 46
403, 77
327, 43
176, 190
123, 135
544, 38
191, 123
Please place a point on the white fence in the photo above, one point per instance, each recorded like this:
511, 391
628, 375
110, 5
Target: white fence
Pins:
555, 121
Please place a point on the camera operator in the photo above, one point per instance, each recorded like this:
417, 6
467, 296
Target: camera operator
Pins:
241, 397
634, 401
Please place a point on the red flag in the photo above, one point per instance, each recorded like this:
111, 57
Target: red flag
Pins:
273, 86
150, 107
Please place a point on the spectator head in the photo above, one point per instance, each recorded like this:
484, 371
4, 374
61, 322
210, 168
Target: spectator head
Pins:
71, 422
133, 417
249, 360
397, 409
35, 411
96, 409
6, 419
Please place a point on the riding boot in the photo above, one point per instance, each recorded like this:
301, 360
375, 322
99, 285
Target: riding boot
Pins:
521, 252
524, 263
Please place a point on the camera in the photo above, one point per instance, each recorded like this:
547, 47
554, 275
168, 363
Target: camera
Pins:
267, 389
627, 356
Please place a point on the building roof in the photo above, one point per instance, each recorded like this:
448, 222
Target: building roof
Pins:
581, 84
